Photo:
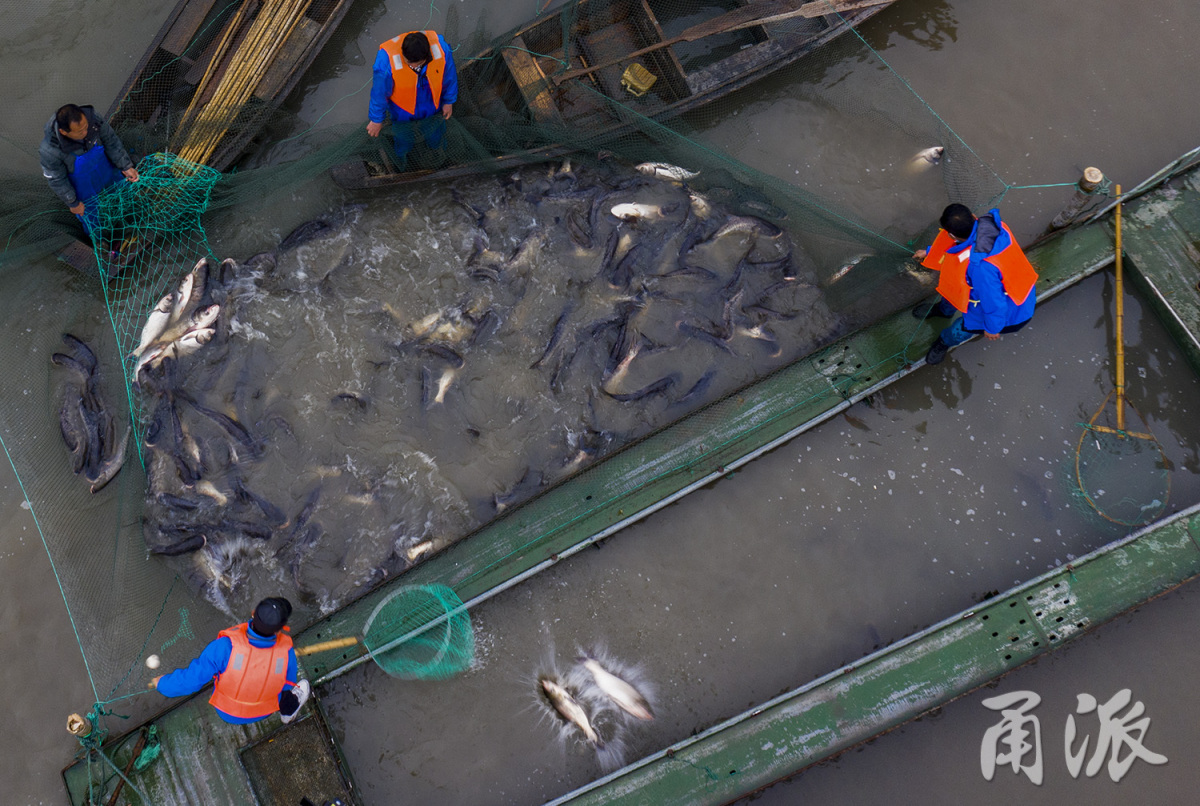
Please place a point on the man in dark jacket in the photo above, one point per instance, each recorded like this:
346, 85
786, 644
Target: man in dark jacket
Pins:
81, 155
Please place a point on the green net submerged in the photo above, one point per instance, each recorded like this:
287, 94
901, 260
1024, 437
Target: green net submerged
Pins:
168, 220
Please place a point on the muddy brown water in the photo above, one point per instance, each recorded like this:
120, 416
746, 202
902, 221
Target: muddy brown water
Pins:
1038, 94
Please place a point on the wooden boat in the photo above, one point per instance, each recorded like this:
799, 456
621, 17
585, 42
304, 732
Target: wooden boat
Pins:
190, 68
524, 80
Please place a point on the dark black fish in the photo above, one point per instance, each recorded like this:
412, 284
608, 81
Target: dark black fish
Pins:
231, 426
350, 400
555, 336
623, 273
191, 543
704, 334
274, 515
257, 531
109, 467
73, 426
531, 481
578, 229
484, 327
308, 231
80, 352
476, 214
699, 388
447, 354
658, 387
263, 261
177, 502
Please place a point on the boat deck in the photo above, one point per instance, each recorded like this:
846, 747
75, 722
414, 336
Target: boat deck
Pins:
204, 760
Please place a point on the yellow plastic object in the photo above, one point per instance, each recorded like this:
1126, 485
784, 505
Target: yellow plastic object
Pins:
637, 79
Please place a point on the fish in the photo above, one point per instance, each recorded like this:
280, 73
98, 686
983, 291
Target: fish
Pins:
569, 709
632, 211
109, 467
206, 487
434, 391
231, 426
308, 231
274, 515
187, 344
699, 388
926, 158
73, 427
659, 386
81, 352
846, 268
156, 323
199, 319
700, 206
183, 296
617, 689
664, 170
746, 223
188, 544
417, 551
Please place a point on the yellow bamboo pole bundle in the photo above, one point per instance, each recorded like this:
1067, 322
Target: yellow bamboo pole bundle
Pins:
227, 37
269, 32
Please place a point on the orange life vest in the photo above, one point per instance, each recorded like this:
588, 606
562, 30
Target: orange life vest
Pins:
404, 78
1016, 272
250, 685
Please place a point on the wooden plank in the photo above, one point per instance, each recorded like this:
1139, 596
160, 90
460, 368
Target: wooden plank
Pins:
531, 80
288, 59
819, 8
185, 22
606, 45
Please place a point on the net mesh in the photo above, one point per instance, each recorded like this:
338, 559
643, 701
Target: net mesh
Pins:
421, 633
1121, 468
209, 95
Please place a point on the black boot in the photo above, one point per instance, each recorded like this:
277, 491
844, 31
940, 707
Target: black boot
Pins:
937, 352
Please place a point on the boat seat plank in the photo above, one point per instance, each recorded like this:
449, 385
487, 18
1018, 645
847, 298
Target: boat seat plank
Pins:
287, 58
532, 81
185, 26
606, 44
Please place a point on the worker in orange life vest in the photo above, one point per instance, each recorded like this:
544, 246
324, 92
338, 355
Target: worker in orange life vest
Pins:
253, 665
415, 82
984, 275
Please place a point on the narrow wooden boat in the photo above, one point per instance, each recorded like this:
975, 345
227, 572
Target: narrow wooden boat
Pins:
534, 86
205, 87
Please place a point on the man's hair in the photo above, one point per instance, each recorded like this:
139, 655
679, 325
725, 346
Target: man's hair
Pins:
415, 48
270, 616
68, 116
958, 220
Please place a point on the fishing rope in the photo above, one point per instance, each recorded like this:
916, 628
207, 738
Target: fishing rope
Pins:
949, 128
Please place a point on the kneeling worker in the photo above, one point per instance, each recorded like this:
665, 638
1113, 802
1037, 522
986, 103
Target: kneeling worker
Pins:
984, 275
254, 667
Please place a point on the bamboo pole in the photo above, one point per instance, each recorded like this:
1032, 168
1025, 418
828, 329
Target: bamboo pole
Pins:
1091, 179
1120, 322
227, 36
268, 33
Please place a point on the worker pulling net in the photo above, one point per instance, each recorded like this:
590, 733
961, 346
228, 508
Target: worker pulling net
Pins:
326, 333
